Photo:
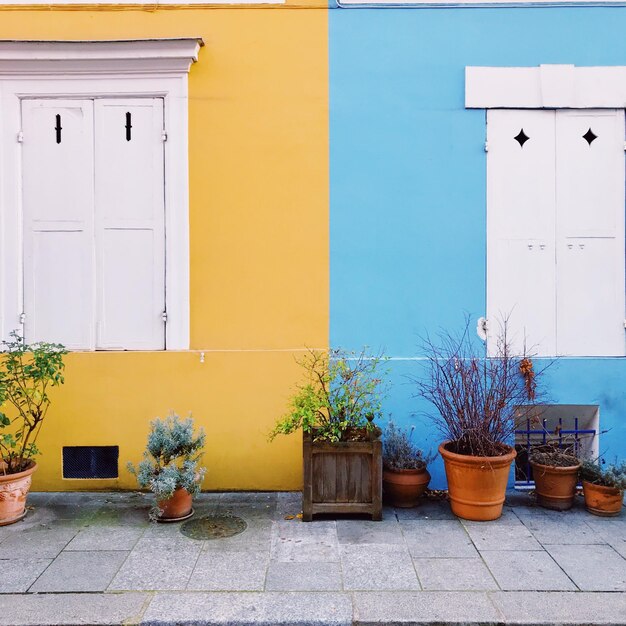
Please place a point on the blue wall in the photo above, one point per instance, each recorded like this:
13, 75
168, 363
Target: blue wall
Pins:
408, 190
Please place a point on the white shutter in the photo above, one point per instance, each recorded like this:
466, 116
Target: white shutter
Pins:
590, 232
130, 224
58, 221
521, 273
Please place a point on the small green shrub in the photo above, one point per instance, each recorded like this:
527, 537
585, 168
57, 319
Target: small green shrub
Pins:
171, 458
609, 476
400, 452
27, 372
340, 398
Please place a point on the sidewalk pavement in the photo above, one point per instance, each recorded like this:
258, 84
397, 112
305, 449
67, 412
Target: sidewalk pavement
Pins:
93, 558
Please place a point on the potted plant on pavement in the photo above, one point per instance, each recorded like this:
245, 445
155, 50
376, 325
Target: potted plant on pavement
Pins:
170, 467
27, 373
476, 397
603, 487
405, 477
336, 408
555, 472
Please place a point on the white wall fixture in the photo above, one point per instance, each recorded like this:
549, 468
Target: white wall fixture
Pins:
93, 173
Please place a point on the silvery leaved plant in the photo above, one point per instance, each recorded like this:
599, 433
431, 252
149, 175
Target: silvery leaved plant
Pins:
400, 452
172, 457
604, 475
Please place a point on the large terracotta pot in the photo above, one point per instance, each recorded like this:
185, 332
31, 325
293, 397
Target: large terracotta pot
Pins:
603, 501
177, 508
555, 487
403, 488
476, 485
13, 491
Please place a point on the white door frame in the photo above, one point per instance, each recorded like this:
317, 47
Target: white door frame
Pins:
128, 69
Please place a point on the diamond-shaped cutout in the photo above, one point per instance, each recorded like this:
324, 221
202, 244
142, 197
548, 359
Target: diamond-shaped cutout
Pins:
521, 138
590, 136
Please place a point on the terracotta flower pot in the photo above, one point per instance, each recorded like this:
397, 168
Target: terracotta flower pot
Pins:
476, 485
603, 501
178, 507
555, 486
403, 488
13, 491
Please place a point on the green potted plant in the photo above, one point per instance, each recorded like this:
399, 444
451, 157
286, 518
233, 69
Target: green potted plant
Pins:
405, 477
27, 373
336, 407
555, 472
170, 467
603, 487
476, 397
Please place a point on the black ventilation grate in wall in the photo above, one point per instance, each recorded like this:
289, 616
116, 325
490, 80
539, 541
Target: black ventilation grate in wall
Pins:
90, 461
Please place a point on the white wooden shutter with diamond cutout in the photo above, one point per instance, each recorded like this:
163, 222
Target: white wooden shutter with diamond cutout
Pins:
555, 230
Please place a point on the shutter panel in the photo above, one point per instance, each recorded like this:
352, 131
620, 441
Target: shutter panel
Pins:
130, 224
521, 273
58, 221
590, 232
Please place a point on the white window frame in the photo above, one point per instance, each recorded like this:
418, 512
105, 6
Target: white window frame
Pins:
128, 69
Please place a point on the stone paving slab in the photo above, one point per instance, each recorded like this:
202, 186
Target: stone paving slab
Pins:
508, 535
377, 567
592, 568
41, 544
454, 575
437, 538
562, 528
80, 571
106, 538
424, 608
303, 577
68, 609
250, 609
17, 575
562, 609
527, 571
229, 571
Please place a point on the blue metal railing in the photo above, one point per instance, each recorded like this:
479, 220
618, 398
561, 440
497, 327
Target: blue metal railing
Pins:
523, 471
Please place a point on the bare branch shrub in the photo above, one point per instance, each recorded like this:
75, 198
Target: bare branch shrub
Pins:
477, 397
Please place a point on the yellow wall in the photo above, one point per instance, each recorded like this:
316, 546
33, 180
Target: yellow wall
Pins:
258, 142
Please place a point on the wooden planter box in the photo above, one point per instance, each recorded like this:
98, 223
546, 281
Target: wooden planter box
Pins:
344, 477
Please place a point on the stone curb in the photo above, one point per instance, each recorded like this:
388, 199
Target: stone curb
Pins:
423, 608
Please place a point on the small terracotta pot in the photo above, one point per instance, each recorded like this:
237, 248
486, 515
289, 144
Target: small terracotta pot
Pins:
603, 501
13, 491
178, 507
477, 485
403, 488
555, 486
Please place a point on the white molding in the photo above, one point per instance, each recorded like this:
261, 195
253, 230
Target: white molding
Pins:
127, 76
545, 86
50, 58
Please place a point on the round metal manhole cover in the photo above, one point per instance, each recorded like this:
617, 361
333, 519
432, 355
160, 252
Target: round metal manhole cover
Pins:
213, 527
